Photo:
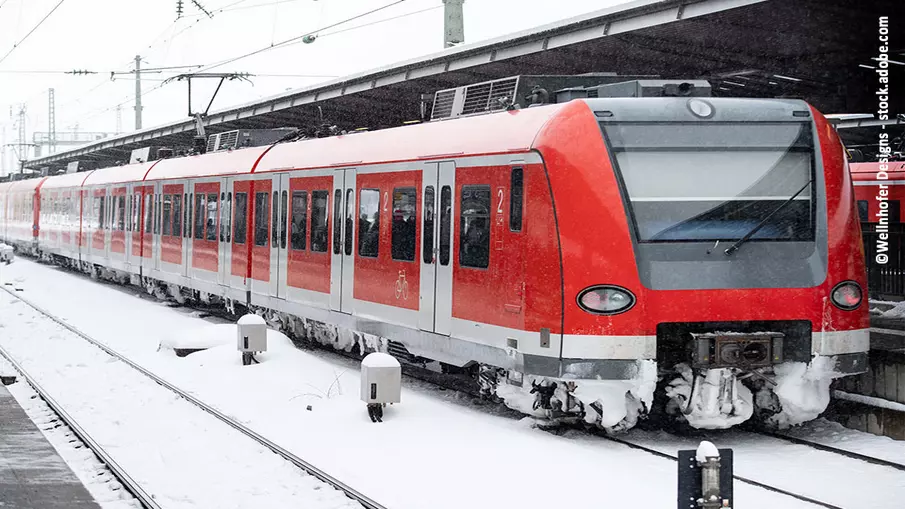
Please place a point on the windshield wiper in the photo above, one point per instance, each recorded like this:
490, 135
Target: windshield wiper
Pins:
734, 247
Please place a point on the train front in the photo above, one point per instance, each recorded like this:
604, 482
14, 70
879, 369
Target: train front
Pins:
726, 243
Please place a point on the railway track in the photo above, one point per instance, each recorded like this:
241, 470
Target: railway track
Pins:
836, 450
132, 486
745, 480
361, 498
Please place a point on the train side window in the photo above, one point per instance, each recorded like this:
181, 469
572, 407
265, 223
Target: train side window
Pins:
319, 231
445, 223
229, 216
136, 213
188, 220
240, 219
121, 213
149, 213
185, 214
516, 193
427, 249
404, 224
157, 210
337, 224
350, 217
224, 223
128, 218
862, 210
177, 215
474, 227
299, 220
200, 207
275, 220
261, 216
894, 213
100, 214
212, 216
167, 220
369, 223
283, 201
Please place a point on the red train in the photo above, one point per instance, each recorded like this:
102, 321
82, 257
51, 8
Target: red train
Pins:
597, 259
879, 193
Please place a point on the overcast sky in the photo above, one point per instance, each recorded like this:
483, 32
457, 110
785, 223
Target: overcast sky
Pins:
105, 35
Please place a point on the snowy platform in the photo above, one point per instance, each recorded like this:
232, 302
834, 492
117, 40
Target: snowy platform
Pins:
32, 474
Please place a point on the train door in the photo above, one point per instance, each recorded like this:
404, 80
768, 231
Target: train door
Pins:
188, 205
262, 277
439, 312
157, 248
224, 251
344, 218
205, 261
278, 251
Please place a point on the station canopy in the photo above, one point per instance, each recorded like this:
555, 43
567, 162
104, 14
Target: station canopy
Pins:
822, 51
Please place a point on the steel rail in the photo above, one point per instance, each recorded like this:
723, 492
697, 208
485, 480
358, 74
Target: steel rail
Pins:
363, 499
132, 486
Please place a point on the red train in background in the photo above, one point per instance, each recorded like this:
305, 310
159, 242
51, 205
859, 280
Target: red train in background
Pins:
596, 259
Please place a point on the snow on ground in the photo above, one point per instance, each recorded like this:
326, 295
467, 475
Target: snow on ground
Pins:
96, 477
179, 453
836, 435
434, 449
898, 311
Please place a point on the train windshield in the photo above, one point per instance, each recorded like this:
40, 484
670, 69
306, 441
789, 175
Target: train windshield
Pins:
689, 182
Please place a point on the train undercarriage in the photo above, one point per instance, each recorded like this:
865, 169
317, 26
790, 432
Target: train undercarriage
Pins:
675, 390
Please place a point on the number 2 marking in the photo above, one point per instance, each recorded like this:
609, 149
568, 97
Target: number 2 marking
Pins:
499, 208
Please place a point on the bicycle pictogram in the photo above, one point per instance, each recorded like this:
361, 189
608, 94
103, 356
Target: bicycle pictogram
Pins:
402, 286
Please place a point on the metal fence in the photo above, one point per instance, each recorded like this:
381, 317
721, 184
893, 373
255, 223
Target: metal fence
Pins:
887, 279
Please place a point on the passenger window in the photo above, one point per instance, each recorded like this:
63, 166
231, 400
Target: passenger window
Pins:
149, 213
275, 221
894, 216
121, 212
157, 209
427, 248
516, 193
445, 223
188, 220
862, 210
185, 214
319, 231
167, 215
229, 216
240, 220
100, 214
300, 220
350, 215
128, 219
283, 207
224, 214
404, 224
200, 207
337, 222
474, 227
369, 223
212, 216
177, 215
261, 203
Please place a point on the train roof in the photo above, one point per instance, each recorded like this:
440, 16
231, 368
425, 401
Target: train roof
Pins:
119, 174
508, 131
66, 180
233, 162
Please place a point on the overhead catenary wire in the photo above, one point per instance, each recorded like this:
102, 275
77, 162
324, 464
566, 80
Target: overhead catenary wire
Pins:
34, 28
297, 38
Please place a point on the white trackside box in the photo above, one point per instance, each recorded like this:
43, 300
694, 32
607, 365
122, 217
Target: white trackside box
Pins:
252, 334
381, 379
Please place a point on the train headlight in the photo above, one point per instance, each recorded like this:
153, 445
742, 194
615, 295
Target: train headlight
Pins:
846, 295
605, 300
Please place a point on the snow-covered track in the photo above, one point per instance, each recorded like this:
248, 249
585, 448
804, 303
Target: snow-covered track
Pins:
364, 500
745, 480
836, 450
118, 472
